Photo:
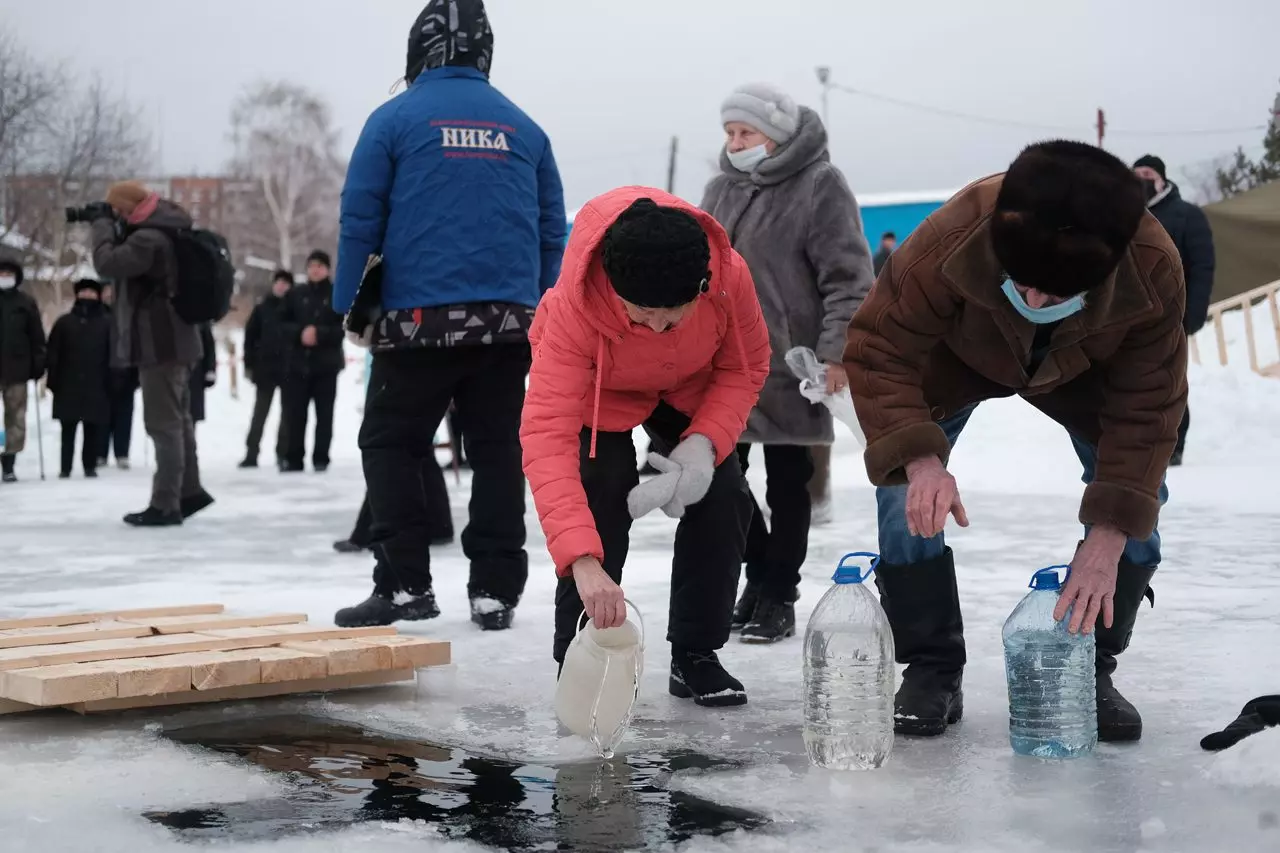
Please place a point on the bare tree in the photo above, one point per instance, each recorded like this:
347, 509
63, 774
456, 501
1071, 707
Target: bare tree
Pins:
1201, 180
29, 91
285, 143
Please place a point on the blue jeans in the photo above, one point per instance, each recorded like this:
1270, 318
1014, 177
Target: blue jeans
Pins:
899, 547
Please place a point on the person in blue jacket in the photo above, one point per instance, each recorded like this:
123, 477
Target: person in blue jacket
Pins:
456, 190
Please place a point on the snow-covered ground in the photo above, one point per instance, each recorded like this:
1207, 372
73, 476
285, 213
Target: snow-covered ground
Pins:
1213, 642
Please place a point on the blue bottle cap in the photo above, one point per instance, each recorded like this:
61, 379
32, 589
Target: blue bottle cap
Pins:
1048, 578
855, 573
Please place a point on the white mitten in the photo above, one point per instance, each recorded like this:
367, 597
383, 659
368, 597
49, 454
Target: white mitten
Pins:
655, 491
696, 461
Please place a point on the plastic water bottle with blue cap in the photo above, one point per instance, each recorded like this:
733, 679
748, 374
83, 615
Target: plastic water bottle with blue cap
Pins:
1052, 695
848, 673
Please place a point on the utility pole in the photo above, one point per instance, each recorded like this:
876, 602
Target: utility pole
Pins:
824, 78
1102, 126
671, 165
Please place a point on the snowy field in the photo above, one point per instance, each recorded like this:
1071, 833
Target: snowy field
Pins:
74, 784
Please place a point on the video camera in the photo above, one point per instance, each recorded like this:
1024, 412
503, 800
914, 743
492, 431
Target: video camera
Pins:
90, 212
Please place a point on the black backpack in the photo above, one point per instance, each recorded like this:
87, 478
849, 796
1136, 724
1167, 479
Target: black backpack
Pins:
206, 276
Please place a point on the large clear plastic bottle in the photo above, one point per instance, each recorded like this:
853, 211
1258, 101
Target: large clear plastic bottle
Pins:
848, 674
1052, 694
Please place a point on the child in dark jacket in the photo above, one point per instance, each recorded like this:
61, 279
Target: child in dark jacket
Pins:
79, 375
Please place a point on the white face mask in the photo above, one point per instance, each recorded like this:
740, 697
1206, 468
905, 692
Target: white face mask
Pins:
8, 282
747, 159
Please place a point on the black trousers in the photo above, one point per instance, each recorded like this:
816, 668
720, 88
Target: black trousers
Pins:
300, 390
264, 393
709, 542
119, 431
1182, 432
89, 447
437, 500
409, 394
774, 557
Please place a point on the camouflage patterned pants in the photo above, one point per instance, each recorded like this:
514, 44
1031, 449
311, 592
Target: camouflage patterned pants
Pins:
15, 417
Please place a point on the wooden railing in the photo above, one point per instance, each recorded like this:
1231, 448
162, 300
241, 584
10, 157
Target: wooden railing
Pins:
1244, 303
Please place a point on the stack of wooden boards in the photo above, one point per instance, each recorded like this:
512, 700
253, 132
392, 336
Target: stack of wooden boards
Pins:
196, 653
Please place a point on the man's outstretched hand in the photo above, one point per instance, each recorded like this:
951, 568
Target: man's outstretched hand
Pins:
1091, 587
932, 494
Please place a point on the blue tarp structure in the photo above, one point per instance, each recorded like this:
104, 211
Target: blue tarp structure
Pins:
900, 213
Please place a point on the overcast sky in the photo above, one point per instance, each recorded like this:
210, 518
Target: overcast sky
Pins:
612, 80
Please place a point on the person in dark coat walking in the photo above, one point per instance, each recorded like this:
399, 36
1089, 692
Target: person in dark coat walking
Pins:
130, 245
1189, 228
204, 375
22, 352
265, 359
888, 242
117, 435
315, 336
80, 376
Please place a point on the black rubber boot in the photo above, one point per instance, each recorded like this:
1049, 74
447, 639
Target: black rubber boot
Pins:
381, 609
698, 675
773, 621
6, 468
923, 606
491, 614
193, 504
746, 606
152, 517
1118, 720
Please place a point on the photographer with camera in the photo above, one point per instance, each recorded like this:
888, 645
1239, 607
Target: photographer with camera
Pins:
133, 237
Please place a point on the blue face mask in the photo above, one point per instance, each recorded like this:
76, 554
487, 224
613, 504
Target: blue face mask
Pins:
1047, 314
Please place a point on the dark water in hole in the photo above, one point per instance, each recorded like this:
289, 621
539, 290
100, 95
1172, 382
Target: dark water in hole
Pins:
343, 774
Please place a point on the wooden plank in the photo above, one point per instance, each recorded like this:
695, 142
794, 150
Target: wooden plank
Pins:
1248, 337
347, 656
216, 622
8, 706
215, 670
49, 686
148, 676
1275, 312
249, 691
280, 665
300, 633
170, 644
416, 652
132, 615
1194, 344
50, 636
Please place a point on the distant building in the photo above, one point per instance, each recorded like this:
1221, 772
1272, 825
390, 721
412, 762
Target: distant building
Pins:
900, 212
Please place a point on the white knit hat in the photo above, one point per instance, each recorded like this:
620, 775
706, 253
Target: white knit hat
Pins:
766, 108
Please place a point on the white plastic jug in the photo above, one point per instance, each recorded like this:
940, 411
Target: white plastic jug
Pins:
600, 681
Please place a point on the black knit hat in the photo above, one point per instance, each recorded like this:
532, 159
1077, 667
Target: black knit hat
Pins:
657, 257
89, 284
1151, 161
319, 256
285, 275
1065, 216
450, 32
12, 266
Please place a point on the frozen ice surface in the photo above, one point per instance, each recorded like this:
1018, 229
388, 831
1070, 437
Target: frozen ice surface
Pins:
1211, 644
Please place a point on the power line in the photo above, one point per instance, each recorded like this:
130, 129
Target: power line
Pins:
1002, 122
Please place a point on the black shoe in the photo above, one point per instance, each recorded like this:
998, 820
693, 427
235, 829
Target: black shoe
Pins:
8, 477
380, 609
1118, 720
927, 703
923, 607
152, 517
249, 462
1176, 459
320, 467
102, 462
346, 546
6, 469
491, 614
191, 505
64, 475
288, 468
746, 607
774, 620
698, 675
91, 474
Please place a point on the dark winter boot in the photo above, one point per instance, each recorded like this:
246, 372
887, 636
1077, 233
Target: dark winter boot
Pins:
249, 462
6, 468
152, 517
193, 504
1118, 720
746, 606
698, 675
381, 609
491, 614
774, 619
923, 607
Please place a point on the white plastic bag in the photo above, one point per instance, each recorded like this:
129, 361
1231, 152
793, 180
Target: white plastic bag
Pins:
813, 387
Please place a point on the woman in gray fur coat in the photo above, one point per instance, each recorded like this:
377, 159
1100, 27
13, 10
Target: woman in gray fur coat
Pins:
791, 215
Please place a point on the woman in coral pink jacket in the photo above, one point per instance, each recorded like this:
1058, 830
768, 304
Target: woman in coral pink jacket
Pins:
654, 322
